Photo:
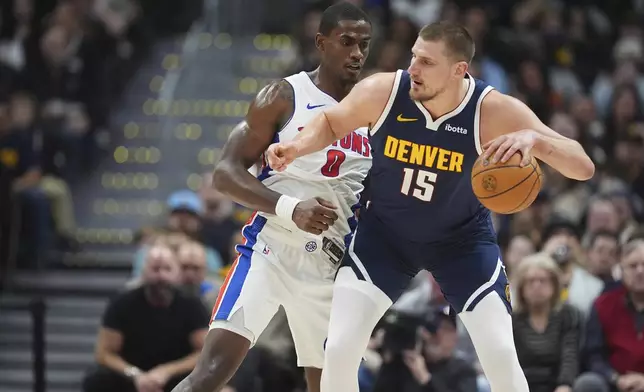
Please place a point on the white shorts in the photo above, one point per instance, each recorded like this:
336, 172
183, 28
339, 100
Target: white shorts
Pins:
269, 273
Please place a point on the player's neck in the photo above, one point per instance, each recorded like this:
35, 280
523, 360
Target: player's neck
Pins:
448, 100
330, 84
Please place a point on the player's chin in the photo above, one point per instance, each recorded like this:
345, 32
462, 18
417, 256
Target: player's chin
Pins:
352, 74
415, 95
418, 95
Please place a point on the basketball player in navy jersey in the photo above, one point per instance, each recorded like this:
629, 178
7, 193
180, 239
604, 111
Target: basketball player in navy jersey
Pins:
428, 126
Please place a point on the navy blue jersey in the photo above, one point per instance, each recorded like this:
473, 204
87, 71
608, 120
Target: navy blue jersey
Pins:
420, 178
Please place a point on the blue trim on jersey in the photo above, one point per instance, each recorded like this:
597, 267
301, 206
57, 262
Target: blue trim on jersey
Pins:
266, 170
353, 223
357, 271
236, 282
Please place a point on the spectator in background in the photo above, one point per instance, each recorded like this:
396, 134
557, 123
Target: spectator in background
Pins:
434, 365
185, 210
21, 174
614, 348
602, 256
624, 203
23, 110
184, 219
530, 222
476, 22
218, 225
69, 68
74, 57
546, 333
192, 259
628, 163
519, 247
601, 216
579, 287
16, 35
370, 366
626, 109
152, 335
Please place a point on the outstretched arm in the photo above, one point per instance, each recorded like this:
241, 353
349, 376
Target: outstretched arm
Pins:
508, 125
247, 143
361, 108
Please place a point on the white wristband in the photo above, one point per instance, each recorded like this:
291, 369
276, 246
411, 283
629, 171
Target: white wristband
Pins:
285, 207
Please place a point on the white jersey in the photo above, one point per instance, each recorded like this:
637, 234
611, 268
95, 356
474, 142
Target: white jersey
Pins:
335, 173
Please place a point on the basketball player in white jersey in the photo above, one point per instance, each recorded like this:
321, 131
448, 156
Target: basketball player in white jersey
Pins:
291, 249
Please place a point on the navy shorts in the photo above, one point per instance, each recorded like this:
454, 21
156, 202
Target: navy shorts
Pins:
466, 270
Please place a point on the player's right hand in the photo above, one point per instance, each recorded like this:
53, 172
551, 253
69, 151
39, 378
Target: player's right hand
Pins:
314, 215
280, 155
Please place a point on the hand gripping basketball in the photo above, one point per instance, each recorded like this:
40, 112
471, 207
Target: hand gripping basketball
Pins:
280, 155
505, 146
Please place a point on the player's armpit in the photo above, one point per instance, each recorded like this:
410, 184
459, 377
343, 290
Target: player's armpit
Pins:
362, 107
246, 145
502, 115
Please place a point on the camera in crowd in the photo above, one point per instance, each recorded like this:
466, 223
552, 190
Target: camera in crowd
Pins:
401, 328
562, 255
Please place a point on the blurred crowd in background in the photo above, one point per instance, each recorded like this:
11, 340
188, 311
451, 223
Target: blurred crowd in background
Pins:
63, 67
575, 257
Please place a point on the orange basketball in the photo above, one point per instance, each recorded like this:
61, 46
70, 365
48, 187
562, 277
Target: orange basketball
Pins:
506, 188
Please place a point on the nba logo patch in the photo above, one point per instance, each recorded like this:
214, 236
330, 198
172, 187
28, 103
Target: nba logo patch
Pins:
311, 246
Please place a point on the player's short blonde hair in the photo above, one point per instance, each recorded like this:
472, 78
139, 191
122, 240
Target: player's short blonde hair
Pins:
542, 261
457, 39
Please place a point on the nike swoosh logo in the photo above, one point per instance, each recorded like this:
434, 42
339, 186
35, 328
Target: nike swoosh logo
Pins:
309, 106
400, 118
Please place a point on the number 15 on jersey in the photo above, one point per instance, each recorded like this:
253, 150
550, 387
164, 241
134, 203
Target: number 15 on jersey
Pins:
420, 183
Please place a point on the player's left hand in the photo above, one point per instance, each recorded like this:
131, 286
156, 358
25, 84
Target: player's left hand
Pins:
503, 147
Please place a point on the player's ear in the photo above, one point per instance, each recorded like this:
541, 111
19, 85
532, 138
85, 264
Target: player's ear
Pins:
319, 41
460, 69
